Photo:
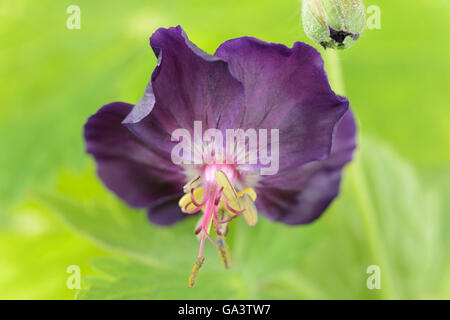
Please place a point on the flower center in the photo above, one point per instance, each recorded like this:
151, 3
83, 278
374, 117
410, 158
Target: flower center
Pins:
214, 193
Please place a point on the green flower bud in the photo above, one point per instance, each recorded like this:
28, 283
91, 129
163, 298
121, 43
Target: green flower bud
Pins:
333, 24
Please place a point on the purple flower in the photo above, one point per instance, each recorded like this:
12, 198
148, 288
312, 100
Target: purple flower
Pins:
246, 84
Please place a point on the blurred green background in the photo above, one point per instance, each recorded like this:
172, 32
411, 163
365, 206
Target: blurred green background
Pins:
393, 210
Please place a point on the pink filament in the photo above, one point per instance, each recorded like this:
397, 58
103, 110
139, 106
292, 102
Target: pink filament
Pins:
209, 237
202, 244
197, 209
227, 220
231, 209
195, 202
209, 212
217, 229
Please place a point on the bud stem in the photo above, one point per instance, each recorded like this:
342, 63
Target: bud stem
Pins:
334, 71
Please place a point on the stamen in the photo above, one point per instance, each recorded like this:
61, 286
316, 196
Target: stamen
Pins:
185, 199
220, 214
192, 184
223, 251
195, 269
219, 197
198, 228
226, 231
250, 213
231, 209
226, 220
221, 228
228, 190
216, 227
197, 209
189, 203
250, 191
193, 197
209, 237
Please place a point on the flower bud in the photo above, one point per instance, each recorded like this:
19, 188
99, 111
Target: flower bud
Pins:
333, 24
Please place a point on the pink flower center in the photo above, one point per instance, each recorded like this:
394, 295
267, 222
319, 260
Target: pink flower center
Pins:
214, 193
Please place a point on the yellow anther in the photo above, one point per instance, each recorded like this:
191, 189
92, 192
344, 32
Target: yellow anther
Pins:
250, 191
250, 213
192, 184
224, 254
228, 190
195, 269
186, 199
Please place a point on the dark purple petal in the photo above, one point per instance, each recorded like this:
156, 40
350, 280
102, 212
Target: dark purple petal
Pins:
166, 211
187, 85
286, 89
301, 195
138, 175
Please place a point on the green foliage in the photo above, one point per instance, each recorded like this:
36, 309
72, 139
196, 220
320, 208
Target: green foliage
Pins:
384, 217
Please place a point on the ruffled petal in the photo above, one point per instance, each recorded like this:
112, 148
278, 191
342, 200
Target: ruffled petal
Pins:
187, 85
301, 195
128, 167
286, 89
